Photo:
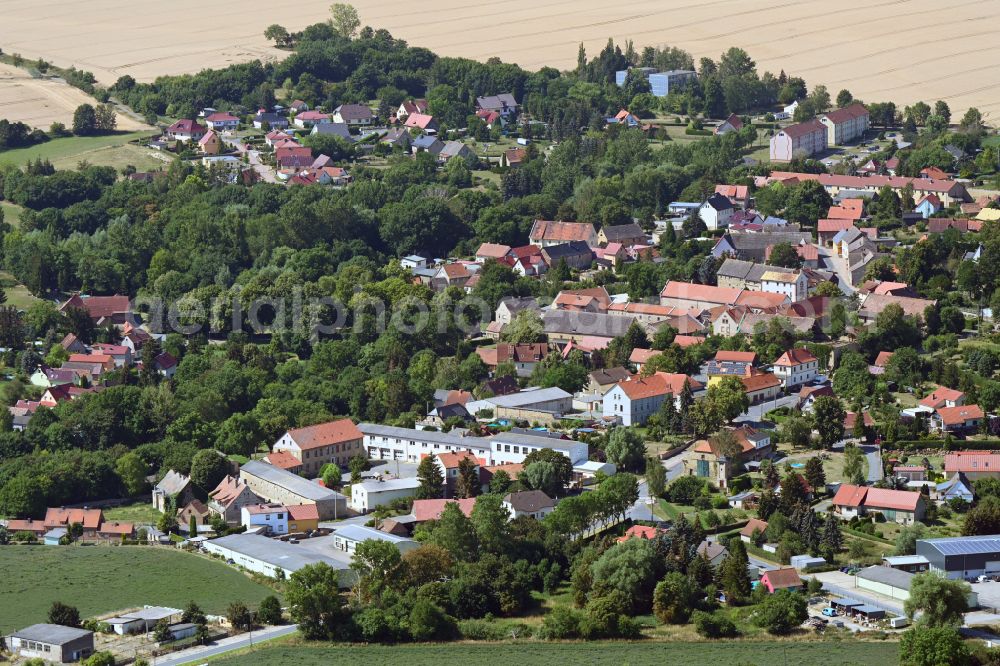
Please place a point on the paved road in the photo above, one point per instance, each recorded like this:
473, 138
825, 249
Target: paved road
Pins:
838, 266
203, 652
874, 456
755, 415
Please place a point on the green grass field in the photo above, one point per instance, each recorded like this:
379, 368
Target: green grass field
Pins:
11, 213
140, 513
811, 653
101, 579
106, 150
17, 294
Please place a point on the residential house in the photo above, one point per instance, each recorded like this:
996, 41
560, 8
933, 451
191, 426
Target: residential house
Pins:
738, 195
753, 531
411, 106
120, 354
593, 299
73, 344
873, 304
950, 192
697, 296
960, 420
528, 260
425, 510
511, 305
427, 143
713, 551
49, 377
586, 330
193, 509
545, 233
210, 143
271, 518
175, 486
318, 445
186, 130
845, 125
504, 104
633, 401
899, 506
576, 254
229, 497
421, 122
293, 157
625, 234
716, 212
302, 518
284, 460
513, 158
52, 643
939, 225
353, 114
103, 310
928, 205
943, 397
801, 140
761, 387
531, 503
604, 379
828, 229
337, 129
809, 394
785, 578
753, 245
731, 124
223, 121
706, 460
847, 209
640, 532
89, 520
276, 136
523, 356
792, 284
309, 119
641, 357
974, 465
449, 464
957, 487
453, 149
796, 367
493, 251
451, 275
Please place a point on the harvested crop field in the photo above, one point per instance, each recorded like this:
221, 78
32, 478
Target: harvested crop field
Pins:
898, 50
40, 102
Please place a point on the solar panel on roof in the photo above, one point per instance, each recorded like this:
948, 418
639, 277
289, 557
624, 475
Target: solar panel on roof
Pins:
966, 545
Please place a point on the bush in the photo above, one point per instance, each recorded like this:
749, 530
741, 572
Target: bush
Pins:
491, 630
561, 623
714, 625
685, 489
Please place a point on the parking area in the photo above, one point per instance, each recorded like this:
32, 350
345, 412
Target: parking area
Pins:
989, 594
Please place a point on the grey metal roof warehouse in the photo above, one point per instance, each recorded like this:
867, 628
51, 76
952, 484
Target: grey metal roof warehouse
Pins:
534, 440
292, 482
969, 545
523, 398
887, 575
274, 552
432, 436
53, 634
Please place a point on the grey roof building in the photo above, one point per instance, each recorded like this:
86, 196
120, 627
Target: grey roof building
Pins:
267, 556
962, 557
52, 642
333, 129
278, 485
568, 323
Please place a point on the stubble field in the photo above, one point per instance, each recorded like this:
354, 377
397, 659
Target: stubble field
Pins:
900, 50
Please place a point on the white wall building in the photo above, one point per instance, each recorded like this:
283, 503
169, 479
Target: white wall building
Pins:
371, 494
273, 517
796, 367
793, 285
347, 538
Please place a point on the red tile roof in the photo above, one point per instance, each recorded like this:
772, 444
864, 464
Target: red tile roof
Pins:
493, 250
303, 512
753, 524
700, 292
643, 355
848, 113
431, 509
971, 461
900, 500
451, 460
687, 340
760, 382
62, 517
940, 396
99, 306
780, 579
882, 360
562, 231
833, 225
639, 532
796, 356
850, 495
802, 129
228, 490
736, 356
324, 434
282, 459
115, 527
660, 383
959, 415
849, 209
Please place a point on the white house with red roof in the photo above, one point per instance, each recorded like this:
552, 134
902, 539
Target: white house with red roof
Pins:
633, 401
314, 446
307, 119
731, 124
186, 129
928, 205
958, 420
973, 464
421, 121
943, 397
222, 121
411, 106
900, 506
796, 367
845, 125
801, 140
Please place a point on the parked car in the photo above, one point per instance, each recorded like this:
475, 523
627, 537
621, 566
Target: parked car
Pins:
829, 611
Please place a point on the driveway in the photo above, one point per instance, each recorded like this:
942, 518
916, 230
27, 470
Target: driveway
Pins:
874, 456
754, 416
838, 266
203, 652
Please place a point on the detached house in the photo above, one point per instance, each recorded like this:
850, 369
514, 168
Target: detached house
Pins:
273, 121
524, 356
531, 503
222, 121
229, 497
173, 485
503, 104
186, 130
731, 124
545, 233
706, 461
717, 212
796, 367
943, 397
635, 400
958, 420
899, 506
625, 234
308, 119
317, 445
421, 121
411, 106
353, 114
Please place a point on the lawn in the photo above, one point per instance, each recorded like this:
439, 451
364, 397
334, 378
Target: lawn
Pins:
707, 653
17, 294
141, 513
105, 150
101, 579
833, 463
11, 213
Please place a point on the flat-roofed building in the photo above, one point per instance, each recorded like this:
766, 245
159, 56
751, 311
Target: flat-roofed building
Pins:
52, 642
